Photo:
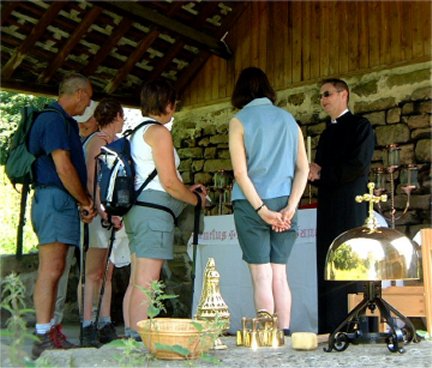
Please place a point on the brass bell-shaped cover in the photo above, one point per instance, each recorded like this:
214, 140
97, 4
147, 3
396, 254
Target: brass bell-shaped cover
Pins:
372, 254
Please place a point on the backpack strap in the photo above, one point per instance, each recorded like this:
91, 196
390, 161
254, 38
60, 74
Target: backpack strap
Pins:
151, 176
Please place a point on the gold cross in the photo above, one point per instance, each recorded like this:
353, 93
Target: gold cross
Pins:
371, 198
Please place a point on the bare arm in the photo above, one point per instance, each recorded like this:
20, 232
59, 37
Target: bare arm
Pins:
70, 179
300, 179
238, 160
160, 140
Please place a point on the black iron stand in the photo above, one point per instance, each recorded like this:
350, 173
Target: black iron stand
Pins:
350, 331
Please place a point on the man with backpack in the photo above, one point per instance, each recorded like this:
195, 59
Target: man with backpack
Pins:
59, 200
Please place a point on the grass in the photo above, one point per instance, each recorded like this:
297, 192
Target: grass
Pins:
9, 214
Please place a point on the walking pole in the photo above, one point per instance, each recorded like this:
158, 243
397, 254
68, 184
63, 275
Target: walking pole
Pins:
102, 289
83, 249
195, 245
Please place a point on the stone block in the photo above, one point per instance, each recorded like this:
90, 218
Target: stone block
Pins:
423, 150
220, 138
224, 154
424, 93
408, 108
366, 89
191, 152
296, 99
421, 133
393, 115
212, 166
197, 165
413, 77
376, 105
425, 107
395, 133
376, 118
210, 152
185, 164
316, 129
203, 178
418, 121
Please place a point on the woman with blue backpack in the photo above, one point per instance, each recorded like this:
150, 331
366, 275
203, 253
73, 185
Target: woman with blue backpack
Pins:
151, 230
109, 116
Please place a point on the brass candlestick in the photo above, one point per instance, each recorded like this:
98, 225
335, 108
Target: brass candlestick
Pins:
211, 306
260, 331
389, 173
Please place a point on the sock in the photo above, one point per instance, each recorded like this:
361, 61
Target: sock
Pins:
103, 321
127, 331
87, 323
42, 328
134, 334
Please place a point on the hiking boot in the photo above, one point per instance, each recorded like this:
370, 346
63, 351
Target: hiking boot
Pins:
44, 342
90, 337
59, 338
107, 333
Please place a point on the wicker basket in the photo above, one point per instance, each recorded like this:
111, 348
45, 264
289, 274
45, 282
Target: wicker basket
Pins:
176, 331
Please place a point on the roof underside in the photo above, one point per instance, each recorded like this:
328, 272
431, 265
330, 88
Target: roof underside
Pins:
118, 45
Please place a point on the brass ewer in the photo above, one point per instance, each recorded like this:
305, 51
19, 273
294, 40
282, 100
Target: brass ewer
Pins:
260, 331
211, 306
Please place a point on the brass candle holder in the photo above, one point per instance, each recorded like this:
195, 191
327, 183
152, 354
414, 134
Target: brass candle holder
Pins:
260, 331
392, 170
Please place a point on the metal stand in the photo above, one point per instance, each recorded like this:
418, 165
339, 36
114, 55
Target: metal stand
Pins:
349, 331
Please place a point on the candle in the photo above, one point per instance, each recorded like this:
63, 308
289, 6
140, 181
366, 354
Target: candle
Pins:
309, 149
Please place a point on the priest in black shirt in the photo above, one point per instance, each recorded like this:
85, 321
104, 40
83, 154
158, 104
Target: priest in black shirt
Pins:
340, 172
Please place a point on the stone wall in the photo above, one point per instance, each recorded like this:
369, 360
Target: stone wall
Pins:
396, 101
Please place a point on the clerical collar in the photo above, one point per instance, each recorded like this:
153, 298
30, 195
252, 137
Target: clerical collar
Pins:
334, 121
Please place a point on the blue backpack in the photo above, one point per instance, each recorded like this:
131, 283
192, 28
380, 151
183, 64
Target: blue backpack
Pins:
115, 175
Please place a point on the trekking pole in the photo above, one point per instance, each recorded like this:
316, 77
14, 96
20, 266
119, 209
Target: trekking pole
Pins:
83, 249
102, 289
195, 245
20, 231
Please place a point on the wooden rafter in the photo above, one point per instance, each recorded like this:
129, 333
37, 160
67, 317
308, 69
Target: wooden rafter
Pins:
6, 10
191, 70
131, 61
107, 47
192, 35
70, 44
37, 31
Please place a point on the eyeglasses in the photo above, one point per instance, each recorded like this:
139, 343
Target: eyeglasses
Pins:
328, 94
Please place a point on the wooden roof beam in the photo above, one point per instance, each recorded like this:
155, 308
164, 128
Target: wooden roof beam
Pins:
107, 47
74, 38
131, 61
141, 13
20, 53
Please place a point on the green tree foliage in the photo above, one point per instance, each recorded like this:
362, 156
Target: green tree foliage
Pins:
10, 107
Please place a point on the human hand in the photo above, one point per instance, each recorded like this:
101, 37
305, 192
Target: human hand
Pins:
201, 190
275, 219
87, 212
117, 222
314, 171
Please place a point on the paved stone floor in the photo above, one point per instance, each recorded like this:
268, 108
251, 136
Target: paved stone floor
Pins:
118, 354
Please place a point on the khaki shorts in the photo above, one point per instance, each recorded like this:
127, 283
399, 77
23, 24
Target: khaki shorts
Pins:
151, 231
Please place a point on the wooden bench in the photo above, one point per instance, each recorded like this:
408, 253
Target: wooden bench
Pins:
411, 300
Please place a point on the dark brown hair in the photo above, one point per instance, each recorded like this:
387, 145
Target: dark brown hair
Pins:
156, 95
252, 83
107, 110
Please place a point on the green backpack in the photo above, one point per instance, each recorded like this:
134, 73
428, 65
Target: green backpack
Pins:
19, 160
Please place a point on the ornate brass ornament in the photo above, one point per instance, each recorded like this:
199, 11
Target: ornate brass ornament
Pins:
211, 306
260, 331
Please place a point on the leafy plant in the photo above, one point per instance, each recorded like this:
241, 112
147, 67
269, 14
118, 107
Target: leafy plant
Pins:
13, 296
156, 296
